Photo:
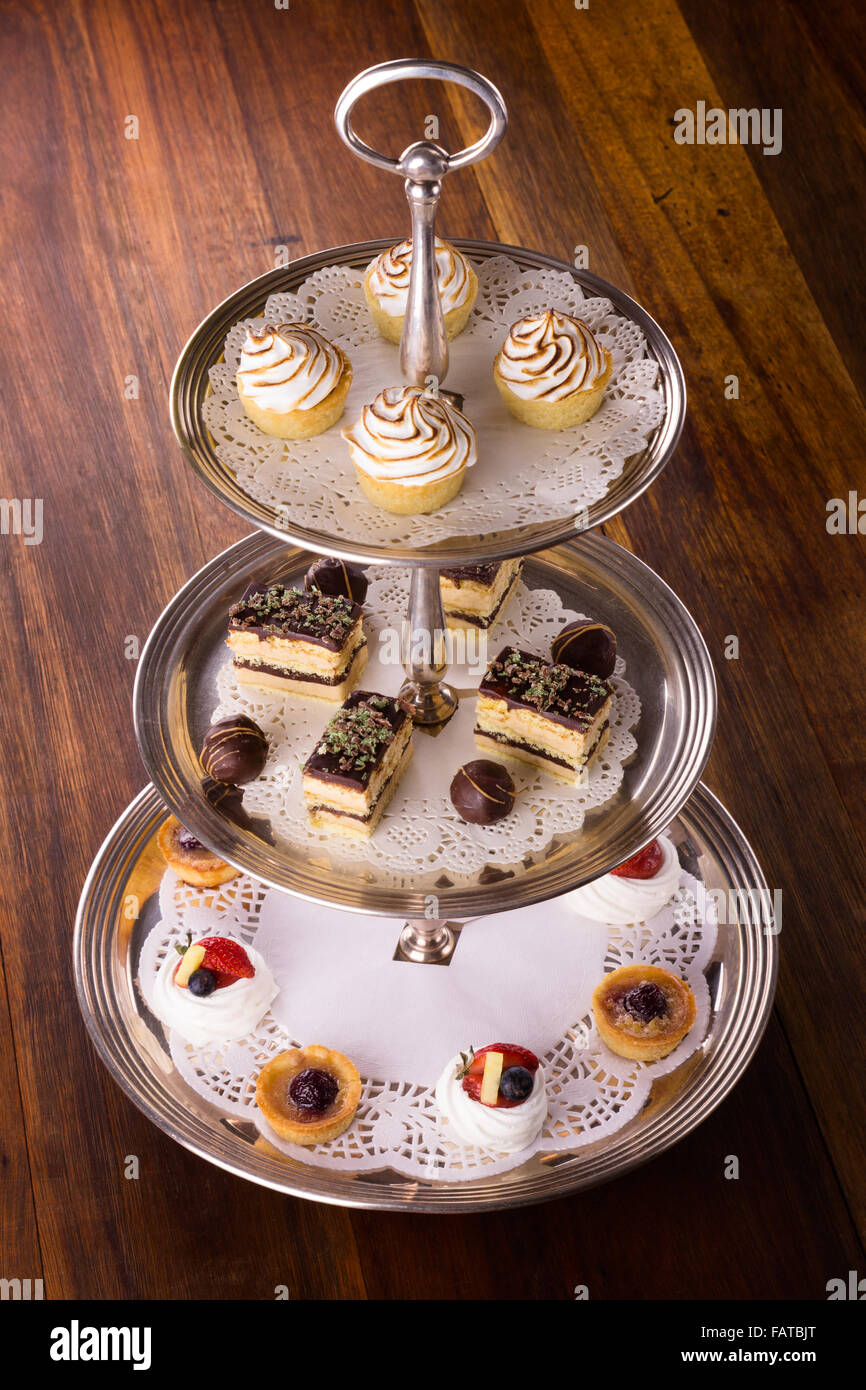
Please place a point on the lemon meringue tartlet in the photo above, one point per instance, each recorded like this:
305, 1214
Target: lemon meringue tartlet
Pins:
551, 371
386, 287
292, 380
411, 450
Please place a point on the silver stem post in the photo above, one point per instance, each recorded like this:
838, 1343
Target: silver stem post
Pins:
425, 659
424, 344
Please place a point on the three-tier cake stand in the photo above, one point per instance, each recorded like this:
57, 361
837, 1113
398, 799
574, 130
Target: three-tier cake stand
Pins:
667, 663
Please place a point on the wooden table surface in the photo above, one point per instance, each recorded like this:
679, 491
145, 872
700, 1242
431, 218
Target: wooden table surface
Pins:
114, 248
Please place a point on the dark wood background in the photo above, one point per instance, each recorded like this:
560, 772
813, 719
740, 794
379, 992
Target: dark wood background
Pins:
113, 250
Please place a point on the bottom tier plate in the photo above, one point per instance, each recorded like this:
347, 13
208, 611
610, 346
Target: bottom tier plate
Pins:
119, 906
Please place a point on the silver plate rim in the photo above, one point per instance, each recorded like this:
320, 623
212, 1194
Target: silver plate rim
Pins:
166, 768
747, 1018
204, 347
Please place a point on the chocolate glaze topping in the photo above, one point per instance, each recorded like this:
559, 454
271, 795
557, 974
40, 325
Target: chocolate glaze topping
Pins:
474, 574
274, 611
355, 741
568, 697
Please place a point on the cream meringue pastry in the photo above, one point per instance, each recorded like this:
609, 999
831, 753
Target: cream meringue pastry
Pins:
386, 288
220, 1017
503, 1131
551, 371
411, 450
622, 901
292, 380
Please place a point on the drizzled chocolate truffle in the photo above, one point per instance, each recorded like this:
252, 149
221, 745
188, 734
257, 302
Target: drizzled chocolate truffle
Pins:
587, 647
235, 750
482, 792
337, 579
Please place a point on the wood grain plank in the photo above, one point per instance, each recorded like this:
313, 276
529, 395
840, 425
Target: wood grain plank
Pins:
763, 56
19, 1236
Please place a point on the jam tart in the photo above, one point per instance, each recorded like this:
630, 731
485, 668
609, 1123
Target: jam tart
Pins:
190, 859
309, 1095
642, 1012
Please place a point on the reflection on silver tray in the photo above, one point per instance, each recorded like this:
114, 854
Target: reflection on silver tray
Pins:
190, 387
119, 906
666, 662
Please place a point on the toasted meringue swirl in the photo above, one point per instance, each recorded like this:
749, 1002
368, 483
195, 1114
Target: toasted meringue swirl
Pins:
549, 356
288, 367
410, 437
390, 271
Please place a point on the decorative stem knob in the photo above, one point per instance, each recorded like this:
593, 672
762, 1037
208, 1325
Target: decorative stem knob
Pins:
424, 345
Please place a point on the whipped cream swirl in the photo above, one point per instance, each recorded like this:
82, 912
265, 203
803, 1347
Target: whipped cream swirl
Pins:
505, 1130
622, 901
220, 1017
550, 356
411, 437
389, 277
288, 367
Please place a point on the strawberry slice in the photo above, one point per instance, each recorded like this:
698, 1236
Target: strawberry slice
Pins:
513, 1055
645, 864
227, 959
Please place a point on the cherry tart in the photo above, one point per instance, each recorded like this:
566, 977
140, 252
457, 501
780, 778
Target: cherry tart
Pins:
309, 1095
190, 859
642, 1012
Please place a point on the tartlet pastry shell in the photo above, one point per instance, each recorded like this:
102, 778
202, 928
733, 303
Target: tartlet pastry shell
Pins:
195, 866
638, 1043
391, 325
572, 410
410, 499
272, 1088
301, 424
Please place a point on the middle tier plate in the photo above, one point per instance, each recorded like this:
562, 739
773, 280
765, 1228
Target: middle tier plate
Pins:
667, 664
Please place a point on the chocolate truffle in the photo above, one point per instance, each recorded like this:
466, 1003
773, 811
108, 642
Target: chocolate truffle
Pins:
235, 750
337, 579
482, 792
584, 646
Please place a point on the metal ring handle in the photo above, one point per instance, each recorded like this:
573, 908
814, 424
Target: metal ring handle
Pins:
399, 70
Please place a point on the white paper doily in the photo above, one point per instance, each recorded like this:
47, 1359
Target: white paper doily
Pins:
523, 475
524, 977
420, 830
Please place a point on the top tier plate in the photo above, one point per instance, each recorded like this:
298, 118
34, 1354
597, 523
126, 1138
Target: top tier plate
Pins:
501, 536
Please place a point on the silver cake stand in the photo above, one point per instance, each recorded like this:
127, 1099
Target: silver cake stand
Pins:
119, 906
666, 661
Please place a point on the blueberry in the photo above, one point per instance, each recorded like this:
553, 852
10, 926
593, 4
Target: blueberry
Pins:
645, 1002
313, 1090
516, 1083
187, 840
202, 983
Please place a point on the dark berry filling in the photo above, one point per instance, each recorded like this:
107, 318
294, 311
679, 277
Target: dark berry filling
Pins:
313, 1090
645, 1002
187, 840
